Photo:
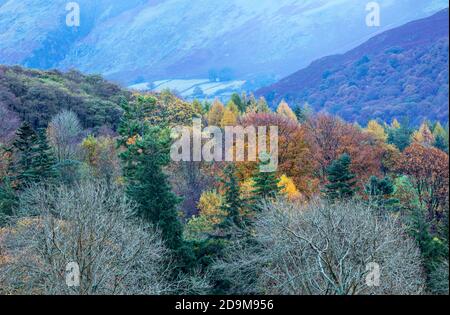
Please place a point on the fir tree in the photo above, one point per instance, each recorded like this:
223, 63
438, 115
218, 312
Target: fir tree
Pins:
233, 202
43, 161
380, 193
148, 185
265, 183
24, 147
341, 180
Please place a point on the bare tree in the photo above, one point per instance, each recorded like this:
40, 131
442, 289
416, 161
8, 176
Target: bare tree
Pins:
325, 249
93, 226
63, 132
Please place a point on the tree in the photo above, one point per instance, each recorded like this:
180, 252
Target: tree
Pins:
400, 135
423, 136
238, 101
330, 137
232, 204
63, 134
380, 193
341, 180
428, 170
210, 216
90, 225
376, 131
323, 249
146, 151
303, 113
43, 161
229, 118
100, 155
265, 183
23, 146
285, 110
149, 187
215, 114
287, 187
295, 156
441, 137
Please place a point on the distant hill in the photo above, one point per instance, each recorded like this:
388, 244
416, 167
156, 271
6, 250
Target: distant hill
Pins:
36, 96
401, 73
136, 41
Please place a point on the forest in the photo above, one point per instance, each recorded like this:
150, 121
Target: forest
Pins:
86, 178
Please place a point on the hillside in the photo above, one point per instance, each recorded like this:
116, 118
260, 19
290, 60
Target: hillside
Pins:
137, 41
399, 73
36, 96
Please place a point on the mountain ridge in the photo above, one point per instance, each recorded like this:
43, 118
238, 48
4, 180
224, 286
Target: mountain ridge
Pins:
413, 40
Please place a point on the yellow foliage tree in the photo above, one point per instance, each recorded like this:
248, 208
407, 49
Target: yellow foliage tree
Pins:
395, 124
377, 131
215, 113
285, 110
229, 118
288, 188
210, 215
233, 107
423, 136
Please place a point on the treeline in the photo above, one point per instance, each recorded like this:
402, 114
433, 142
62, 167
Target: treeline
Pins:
344, 198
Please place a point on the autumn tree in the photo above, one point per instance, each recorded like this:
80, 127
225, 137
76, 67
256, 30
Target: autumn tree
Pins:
211, 214
295, 157
323, 249
215, 114
287, 187
377, 131
330, 137
229, 118
423, 136
428, 169
285, 110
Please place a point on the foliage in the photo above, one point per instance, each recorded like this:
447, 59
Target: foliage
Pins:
427, 168
287, 188
341, 180
36, 96
285, 110
380, 193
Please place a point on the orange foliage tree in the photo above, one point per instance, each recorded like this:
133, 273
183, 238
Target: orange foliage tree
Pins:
428, 170
330, 137
295, 158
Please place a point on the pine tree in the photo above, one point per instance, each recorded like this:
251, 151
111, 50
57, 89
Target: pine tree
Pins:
43, 161
24, 147
265, 183
400, 136
148, 185
341, 183
232, 202
239, 103
380, 193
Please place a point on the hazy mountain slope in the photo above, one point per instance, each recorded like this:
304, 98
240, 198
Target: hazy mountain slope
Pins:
400, 73
137, 40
